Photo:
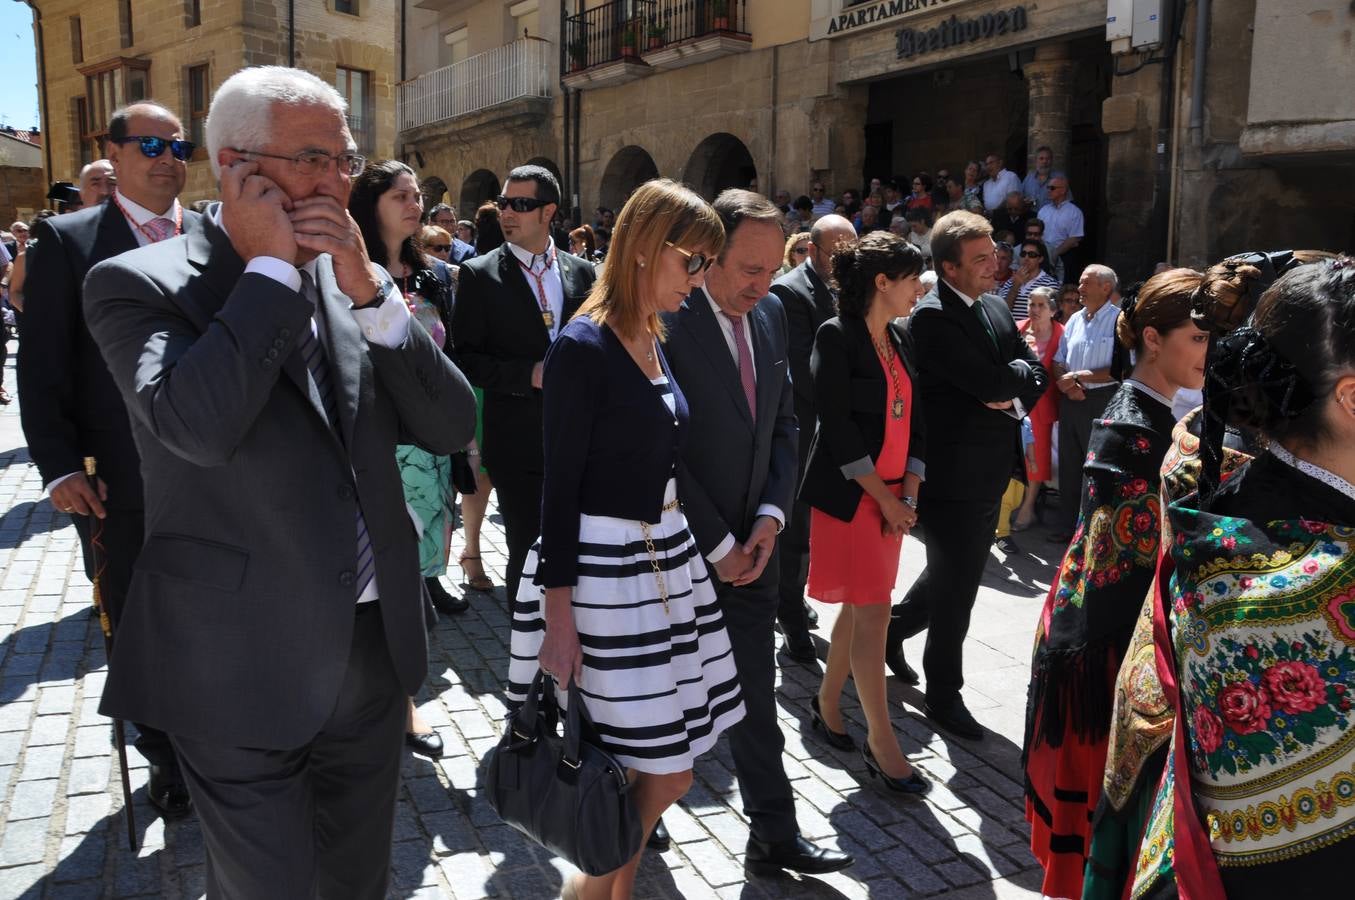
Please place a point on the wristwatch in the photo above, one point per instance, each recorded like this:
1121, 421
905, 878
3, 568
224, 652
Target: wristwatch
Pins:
385, 288
910, 502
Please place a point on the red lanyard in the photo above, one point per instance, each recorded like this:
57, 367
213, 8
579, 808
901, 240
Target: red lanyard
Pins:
178, 220
540, 279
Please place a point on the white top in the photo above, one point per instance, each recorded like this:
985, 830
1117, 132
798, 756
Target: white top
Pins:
995, 190
546, 266
1061, 221
1089, 344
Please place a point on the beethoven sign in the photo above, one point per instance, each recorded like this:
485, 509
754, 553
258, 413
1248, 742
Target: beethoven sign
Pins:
955, 31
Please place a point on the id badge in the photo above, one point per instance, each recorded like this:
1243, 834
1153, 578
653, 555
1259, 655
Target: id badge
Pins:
548, 317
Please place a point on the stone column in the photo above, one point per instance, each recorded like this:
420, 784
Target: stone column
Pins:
1049, 78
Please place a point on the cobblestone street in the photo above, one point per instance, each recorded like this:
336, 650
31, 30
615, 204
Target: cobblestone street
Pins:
61, 827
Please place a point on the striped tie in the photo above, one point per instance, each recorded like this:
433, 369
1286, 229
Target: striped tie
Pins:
313, 352
158, 229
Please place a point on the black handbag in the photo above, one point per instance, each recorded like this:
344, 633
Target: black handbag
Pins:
563, 791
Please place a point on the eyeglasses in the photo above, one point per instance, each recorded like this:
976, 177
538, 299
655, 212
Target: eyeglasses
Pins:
316, 162
519, 204
154, 146
696, 262
440, 248
1031, 254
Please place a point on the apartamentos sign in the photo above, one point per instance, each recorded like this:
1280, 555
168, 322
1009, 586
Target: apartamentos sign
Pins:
834, 18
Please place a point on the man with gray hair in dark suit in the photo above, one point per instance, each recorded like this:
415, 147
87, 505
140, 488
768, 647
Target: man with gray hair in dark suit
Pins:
275, 623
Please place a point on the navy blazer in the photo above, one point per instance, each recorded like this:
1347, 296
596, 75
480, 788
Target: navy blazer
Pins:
611, 443
852, 394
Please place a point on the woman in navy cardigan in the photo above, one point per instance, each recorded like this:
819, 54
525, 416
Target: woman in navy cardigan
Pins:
615, 602
865, 466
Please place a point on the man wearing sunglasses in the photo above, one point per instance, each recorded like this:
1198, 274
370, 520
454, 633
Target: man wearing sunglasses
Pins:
70, 407
808, 302
510, 305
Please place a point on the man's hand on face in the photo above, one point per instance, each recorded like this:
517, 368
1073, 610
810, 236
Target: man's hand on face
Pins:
322, 225
254, 211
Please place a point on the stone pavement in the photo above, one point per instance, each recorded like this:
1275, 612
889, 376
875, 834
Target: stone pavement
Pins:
62, 833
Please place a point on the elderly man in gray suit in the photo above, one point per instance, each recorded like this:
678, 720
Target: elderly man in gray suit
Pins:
275, 621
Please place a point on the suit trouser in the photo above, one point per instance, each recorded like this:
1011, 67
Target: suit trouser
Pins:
958, 536
1075, 432
520, 506
756, 742
123, 534
314, 821
793, 548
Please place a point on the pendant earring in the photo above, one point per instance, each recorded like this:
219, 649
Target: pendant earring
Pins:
640, 263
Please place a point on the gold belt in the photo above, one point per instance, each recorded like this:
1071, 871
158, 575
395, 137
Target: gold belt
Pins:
670, 506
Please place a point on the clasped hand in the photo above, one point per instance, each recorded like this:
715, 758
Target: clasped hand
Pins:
744, 563
262, 220
899, 518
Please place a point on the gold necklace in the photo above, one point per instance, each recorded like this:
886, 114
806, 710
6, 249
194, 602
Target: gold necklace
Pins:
886, 353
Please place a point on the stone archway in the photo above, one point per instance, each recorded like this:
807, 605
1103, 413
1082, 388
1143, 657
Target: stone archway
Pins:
631, 167
434, 190
479, 186
720, 161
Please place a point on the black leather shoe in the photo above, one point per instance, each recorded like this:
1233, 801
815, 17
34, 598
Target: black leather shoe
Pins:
899, 666
800, 647
811, 616
914, 785
955, 718
1008, 546
168, 793
444, 602
839, 739
797, 855
659, 838
427, 745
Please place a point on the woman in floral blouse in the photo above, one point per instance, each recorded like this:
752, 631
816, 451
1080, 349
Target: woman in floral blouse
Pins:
1089, 614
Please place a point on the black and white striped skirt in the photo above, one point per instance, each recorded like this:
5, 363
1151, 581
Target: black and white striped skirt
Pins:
660, 684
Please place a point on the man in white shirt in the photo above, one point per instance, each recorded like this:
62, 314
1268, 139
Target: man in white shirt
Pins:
69, 405
1082, 374
999, 184
823, 204
1063, 225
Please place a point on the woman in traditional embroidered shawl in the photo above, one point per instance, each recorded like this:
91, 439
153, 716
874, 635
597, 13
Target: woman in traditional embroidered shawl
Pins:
1093, 602
1258, 795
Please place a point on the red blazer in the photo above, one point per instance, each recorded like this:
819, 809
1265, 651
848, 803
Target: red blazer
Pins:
1047, 409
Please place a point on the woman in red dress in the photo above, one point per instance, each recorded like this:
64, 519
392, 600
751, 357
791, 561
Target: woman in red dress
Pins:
865, 466
1042, 333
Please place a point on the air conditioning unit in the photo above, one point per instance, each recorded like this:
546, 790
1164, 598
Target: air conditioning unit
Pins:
1133, 24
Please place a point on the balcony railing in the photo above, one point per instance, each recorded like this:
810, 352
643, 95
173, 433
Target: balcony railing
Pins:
521, 69
624, 29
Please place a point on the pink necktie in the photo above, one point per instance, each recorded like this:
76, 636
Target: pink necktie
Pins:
158, 229
745, 366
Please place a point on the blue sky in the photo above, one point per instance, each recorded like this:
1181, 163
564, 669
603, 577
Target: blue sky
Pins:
19, 96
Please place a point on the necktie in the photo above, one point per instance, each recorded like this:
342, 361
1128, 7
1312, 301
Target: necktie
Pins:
158, 229
983, 318
313, 352
745, 366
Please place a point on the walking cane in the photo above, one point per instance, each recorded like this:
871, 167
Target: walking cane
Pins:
96, 545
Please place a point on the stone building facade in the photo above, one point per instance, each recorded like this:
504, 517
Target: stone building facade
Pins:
95, 55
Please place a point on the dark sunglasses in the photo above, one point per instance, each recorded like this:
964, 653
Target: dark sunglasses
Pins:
799, 251
440, 248
1031, 254
519, 204
696, 262
154, 146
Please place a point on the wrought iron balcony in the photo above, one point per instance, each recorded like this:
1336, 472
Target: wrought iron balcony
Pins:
619, 41
519, 71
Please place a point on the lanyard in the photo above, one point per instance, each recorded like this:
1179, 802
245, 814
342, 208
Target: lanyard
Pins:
540, 279
178, 221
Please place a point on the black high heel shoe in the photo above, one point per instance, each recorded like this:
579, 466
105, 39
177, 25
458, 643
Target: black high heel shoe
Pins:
838, 739
914, 785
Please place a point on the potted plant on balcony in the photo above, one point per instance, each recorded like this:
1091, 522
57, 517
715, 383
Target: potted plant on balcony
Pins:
658, 35
719, 15
629, 41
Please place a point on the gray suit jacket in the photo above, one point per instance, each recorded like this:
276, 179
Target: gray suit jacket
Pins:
731, 463
240, 612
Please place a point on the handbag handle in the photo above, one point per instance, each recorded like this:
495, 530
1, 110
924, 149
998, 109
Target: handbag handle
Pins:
536, 694
577, 720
